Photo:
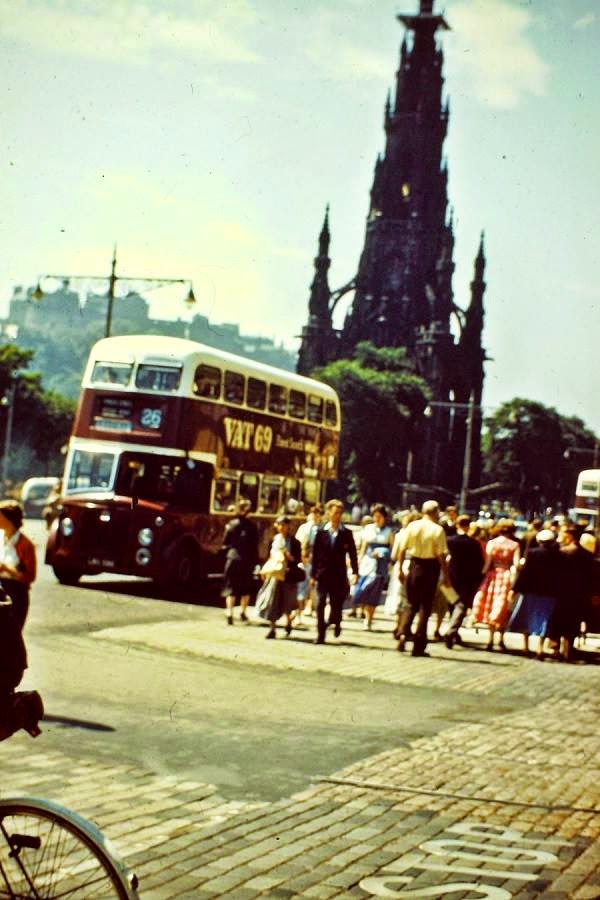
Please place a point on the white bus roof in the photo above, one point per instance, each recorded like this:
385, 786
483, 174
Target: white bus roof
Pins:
160, 350
589, 475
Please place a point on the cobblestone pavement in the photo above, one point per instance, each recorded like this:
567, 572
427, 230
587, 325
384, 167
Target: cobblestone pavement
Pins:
501, 808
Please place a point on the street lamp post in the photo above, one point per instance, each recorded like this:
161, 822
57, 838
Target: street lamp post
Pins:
8, 401
471, 406
113, 278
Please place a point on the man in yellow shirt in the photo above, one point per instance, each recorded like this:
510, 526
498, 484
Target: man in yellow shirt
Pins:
424, 541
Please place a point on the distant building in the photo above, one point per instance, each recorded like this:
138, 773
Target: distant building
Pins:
61, 330
403, 293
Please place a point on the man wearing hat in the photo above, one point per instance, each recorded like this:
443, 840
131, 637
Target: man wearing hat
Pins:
241, 545
425, 541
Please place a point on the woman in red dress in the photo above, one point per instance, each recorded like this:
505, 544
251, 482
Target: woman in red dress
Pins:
17, 559
491, 603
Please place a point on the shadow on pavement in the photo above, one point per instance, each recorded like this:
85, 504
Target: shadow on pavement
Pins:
69, 722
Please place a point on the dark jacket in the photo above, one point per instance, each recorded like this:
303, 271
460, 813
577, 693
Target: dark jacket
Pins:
329, 560
542, 572
292, 545
241, 541
466, 563
13, 658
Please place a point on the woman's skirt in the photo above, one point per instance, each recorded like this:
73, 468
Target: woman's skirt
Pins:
275, 599
532, 614
238, 579
368, 590
490, 605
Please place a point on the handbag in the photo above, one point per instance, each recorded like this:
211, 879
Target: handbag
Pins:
275, 566
296, 574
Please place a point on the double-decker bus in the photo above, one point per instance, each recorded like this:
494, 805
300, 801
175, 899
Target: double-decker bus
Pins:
587, 497
167, 436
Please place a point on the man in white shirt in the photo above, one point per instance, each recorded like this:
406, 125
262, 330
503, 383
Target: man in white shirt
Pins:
425, 540
306, 534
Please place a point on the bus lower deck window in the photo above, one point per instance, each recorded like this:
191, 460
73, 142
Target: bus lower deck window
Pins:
257, 393
234, 387
225, 496
277, 399
311, 492
270, 495
207, 382
249, 489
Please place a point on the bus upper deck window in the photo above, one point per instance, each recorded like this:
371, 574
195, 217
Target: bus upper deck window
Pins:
315, 409
331, 416
157, 378
207, 382
257, 393
111, 373
297, 404
277, 399
234, 387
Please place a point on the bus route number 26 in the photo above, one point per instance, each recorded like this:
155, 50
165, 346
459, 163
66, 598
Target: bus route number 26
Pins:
240, 435
151, 418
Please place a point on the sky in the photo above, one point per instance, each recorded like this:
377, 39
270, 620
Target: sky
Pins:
205, 138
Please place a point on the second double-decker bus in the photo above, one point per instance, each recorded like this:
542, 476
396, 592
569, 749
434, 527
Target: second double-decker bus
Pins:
587, 497
167, 436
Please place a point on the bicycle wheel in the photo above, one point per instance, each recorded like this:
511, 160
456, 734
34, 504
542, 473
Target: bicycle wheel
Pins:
47, 851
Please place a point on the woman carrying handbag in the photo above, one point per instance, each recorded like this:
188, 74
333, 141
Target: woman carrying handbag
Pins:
278, 594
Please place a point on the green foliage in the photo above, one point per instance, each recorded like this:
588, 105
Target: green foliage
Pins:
41, 419
381, 400
536, 452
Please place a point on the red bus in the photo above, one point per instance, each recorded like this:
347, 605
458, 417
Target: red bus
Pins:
168, 434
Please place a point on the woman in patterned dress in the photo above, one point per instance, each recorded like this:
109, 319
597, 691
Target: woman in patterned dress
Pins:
491, 603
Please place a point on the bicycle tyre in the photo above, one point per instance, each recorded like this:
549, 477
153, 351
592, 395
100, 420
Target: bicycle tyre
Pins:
48, 851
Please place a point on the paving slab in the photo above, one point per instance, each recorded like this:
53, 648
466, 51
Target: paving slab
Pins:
503, 806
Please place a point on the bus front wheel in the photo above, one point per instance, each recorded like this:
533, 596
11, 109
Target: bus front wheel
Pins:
66, 576
184, 571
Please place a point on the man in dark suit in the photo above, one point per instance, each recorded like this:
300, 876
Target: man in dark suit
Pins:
334, 544
465, 570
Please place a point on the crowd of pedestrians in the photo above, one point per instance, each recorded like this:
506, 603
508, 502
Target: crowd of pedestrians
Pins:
419, 566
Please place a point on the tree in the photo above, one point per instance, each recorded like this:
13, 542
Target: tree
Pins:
41, 419
381, 398
530, 448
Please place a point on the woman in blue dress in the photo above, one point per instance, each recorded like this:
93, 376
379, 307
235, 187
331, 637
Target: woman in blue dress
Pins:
374, 562
538, 585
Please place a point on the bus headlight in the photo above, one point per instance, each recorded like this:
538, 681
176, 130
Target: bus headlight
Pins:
145, 537
143, 556
67, 526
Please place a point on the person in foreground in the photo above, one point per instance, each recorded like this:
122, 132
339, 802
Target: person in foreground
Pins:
425, 541
334, 545
241, 547
17, 559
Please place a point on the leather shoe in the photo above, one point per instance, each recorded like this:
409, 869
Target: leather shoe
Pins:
337, 630
449, 641
320, 639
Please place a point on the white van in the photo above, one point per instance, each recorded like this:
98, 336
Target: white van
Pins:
34, 495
